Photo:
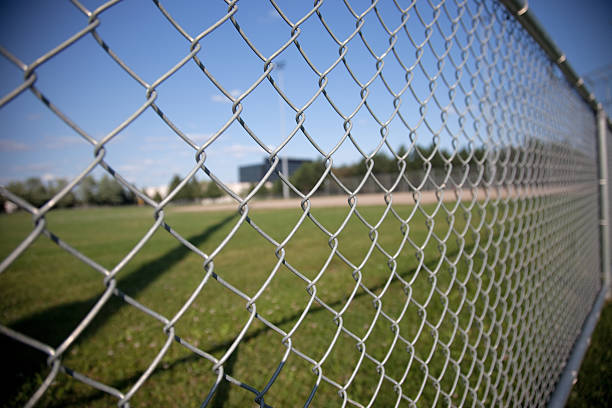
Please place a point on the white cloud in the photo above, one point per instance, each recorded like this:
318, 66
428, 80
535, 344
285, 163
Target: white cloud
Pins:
199, 137
220, 98
131, 168
451, 110
238, 151
34, 167
172, 141
140, 167
161, 144
62, 141
47, 177
271, 15
8, 145
158, 139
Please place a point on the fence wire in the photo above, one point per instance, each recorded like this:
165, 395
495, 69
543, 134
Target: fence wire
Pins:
482, 308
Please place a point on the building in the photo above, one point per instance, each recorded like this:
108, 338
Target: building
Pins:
253, 173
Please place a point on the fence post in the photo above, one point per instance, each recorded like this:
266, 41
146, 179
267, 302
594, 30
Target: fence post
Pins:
569, 376
602, 126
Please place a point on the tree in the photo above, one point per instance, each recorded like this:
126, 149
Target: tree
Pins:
110, 192
277, 187
32, 190
437, 159
88, 190
213, 190
174, 182
17, 188
307, 175
192, 190
69, 200
264, 191
402, 151
36, 191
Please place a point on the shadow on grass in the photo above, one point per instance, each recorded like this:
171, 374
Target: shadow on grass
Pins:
594, 386
54, 324
222, 393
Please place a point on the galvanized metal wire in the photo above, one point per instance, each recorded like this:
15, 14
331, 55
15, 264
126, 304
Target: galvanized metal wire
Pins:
511, 298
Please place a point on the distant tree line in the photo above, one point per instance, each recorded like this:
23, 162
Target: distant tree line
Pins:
103, 191
192, 191
89, 192
308, 174
107, 191
500, 163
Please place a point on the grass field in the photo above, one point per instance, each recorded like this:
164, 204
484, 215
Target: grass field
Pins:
594, 386
46, 292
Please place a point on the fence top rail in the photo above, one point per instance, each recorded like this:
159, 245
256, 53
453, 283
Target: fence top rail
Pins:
520, 10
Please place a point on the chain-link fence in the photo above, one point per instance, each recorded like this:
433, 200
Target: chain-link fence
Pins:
600, 81
472, 290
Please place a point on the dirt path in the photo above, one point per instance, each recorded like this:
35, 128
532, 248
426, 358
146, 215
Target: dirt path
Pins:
406, 198
426, 197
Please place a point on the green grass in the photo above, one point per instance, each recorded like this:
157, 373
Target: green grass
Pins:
594, 386
46, 292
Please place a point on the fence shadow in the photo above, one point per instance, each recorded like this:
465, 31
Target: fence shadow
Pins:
54, 324
223, 390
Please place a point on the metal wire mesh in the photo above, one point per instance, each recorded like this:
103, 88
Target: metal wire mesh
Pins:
508, 267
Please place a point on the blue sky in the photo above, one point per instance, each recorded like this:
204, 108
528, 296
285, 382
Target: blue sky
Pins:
91, 89
582, 30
